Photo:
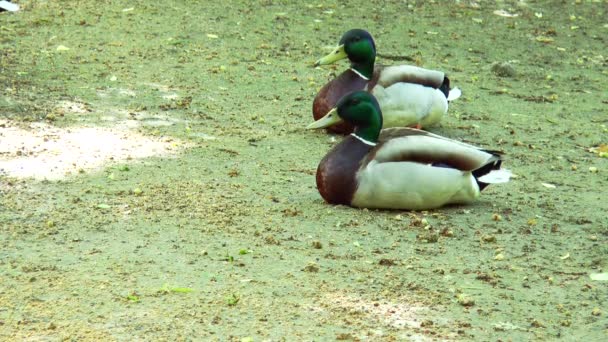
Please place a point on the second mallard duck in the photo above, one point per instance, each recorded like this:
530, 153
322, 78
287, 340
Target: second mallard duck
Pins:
408, 95
399, 168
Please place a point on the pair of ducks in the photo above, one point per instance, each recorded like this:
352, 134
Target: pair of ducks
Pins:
383, 163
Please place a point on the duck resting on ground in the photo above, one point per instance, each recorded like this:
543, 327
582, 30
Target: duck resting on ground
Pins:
399, 168
408, 95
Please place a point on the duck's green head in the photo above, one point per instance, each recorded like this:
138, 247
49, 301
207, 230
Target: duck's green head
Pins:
358, 45
359, 108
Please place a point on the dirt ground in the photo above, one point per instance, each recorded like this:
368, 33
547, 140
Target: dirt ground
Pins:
203, 222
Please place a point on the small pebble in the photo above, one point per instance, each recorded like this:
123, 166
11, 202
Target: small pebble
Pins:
488, 238
503, 69
311, 267
537, 324
465, 300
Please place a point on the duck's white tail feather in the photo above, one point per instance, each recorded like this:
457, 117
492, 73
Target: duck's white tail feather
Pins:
5, 5
454, 94
496, 176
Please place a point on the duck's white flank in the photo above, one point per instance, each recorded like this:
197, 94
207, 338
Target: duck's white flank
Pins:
408, 104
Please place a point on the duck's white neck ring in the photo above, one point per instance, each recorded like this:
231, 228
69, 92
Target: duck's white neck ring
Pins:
359, 74
363, 140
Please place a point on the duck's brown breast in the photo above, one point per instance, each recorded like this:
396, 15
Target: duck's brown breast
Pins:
328, 96
336, 174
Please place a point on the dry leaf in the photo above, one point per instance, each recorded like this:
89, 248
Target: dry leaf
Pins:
601, 150
544, 39
505, 14
599, 276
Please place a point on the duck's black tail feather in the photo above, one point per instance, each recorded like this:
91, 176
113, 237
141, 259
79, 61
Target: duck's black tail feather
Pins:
450, 94
491, 173
445, 87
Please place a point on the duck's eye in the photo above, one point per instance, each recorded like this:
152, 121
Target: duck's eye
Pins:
357, 38
354, 102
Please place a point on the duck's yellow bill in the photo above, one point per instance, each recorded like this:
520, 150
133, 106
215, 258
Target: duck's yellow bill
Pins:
334, 56
331, 118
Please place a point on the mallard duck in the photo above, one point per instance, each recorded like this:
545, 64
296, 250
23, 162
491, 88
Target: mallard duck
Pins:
408, 95
399, 168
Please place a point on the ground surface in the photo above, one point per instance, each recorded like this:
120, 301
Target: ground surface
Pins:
222, 234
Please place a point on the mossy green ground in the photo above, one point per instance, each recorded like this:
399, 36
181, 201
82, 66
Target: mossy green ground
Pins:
238, 219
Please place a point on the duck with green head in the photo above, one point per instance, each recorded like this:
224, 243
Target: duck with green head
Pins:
399, 168
408, 95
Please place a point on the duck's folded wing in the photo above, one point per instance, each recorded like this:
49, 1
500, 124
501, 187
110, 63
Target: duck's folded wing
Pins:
410, 74
403, 144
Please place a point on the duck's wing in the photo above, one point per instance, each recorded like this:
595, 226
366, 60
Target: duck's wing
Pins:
390, 75
413, 145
